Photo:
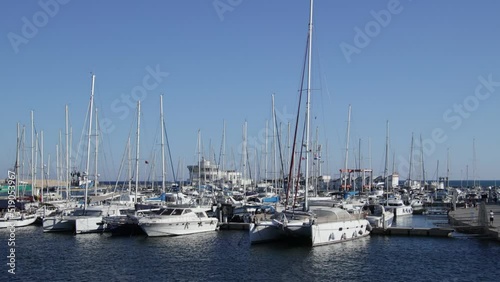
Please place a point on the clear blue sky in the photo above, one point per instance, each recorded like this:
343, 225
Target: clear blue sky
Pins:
420, 70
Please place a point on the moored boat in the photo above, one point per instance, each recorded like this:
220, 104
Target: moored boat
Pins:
177, 221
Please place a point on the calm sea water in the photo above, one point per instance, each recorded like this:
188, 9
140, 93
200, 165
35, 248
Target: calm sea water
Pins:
227, 255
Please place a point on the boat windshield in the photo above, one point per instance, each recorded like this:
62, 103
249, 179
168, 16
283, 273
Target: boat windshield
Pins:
87, 213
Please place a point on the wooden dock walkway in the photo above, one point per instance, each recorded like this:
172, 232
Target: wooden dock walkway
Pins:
476, 220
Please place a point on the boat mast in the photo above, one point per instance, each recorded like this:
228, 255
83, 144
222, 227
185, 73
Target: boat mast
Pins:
138, 133
162, 146
474, 163
437, 174
42, 167
88, 142
16, 166
245, 159
386, 182
33, 162
309, 67
411, 161
422, 159
129, 152
275, 146
344, 177
199, 162
96, 176
66, 178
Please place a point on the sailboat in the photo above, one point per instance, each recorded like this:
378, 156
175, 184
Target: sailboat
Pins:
86, 219
15, 215
315, 225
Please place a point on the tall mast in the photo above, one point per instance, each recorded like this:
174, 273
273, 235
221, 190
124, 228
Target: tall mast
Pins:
275, 147
16, 167
359, 166
223, 146
138, 133
162, 146
346, 160
42, 167
33, 162
309, 67
474, 162
66, 174
96, 175
386, 182
88, 142
411, 161
422, 159
199, 161
265, 152
36, 162
57, 168
370, 163
129, 152
245, 158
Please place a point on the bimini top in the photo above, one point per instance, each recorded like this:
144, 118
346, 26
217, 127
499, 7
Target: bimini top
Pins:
327, 214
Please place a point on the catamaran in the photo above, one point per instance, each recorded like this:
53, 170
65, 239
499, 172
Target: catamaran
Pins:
313, 225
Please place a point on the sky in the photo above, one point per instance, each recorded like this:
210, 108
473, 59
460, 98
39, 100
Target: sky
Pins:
429, 68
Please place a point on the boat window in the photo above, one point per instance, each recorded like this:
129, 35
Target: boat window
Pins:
165, 211
340, 229
177, 212
93, 213
200, 214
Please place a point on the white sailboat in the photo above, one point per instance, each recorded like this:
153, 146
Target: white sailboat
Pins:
12, 216
86, 219
315, 225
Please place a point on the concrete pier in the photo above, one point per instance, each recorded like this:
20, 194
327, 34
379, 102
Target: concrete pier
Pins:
476, 220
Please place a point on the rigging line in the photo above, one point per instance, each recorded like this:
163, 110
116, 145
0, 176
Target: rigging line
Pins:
279, 149
125, 151
296, 125
169, 152
300, 163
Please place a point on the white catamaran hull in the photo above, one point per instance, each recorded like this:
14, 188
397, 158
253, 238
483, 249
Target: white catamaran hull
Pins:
315, 234
89, 224
58, 224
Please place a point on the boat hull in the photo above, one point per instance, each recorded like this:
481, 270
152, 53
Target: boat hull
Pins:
315, 234
17, 222
90, 224
58, 224
157, 227
381, 221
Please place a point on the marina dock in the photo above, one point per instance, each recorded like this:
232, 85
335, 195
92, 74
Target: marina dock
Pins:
412, 231
475, 220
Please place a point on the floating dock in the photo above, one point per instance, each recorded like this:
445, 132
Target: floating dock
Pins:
412, 231
234, 226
